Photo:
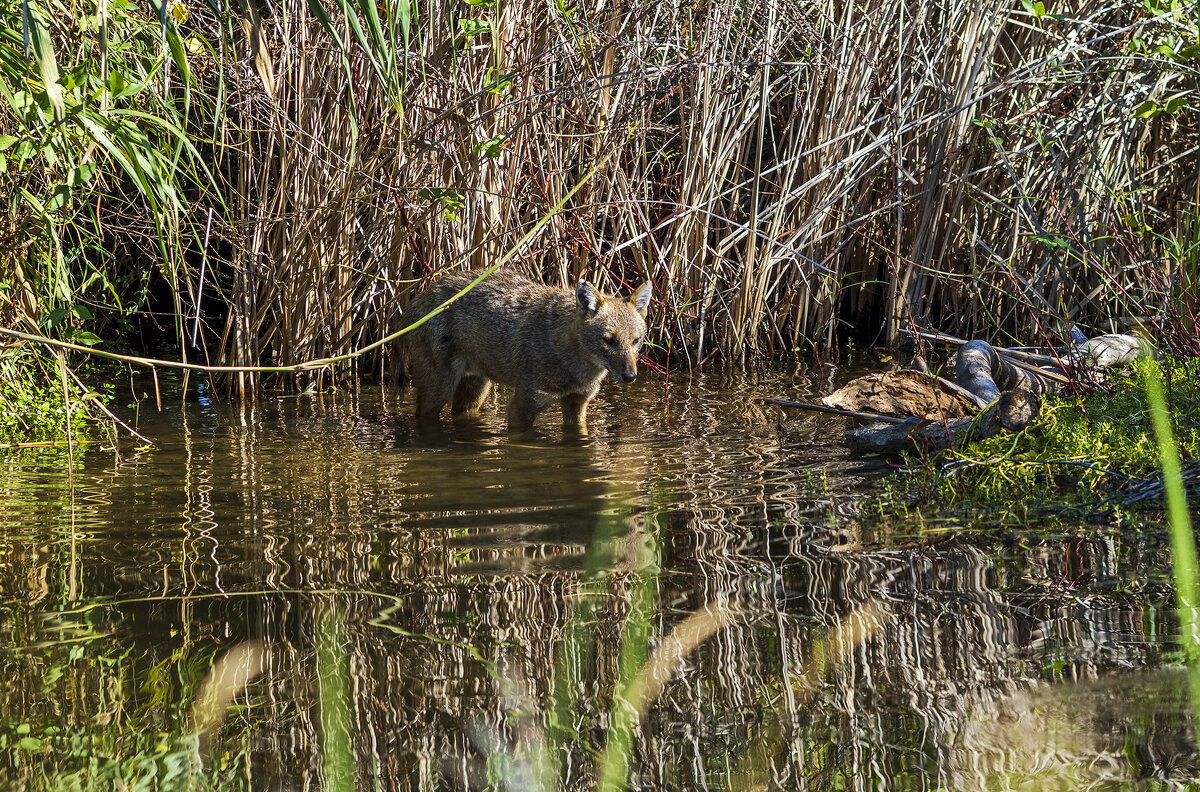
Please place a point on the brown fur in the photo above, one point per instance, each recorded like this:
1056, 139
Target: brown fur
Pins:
546, 343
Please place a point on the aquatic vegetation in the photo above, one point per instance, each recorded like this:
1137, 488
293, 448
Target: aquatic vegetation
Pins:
31, 412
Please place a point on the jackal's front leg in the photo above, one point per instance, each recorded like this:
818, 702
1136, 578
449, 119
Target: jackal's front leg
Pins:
574, 407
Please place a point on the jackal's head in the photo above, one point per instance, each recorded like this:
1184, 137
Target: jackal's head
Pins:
613, 328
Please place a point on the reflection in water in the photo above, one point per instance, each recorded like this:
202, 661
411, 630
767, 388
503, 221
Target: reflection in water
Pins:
310, 593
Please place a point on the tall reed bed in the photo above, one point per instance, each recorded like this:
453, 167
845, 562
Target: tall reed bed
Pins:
784, 170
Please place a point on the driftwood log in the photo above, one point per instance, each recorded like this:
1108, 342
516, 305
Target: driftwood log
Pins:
996, 390
983, 371
1011, 412
987, 372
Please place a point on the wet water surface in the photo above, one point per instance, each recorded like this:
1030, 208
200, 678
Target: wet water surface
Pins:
315, 593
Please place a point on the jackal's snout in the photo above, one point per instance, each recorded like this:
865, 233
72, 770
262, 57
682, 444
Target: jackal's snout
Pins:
622, 365
621, 356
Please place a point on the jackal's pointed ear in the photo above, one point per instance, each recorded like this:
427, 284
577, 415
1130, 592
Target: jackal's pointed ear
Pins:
588, 299
641, 298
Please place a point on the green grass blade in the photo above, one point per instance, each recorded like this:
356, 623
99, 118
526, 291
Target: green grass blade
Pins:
334, 691
318, 10
1183, 544
635, 642
1183, 547
381, 43
37, 40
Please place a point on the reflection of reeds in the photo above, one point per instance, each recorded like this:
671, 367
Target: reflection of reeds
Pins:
643, 673
445, 564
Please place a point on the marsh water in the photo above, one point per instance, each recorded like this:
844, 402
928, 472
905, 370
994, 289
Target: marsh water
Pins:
311, 592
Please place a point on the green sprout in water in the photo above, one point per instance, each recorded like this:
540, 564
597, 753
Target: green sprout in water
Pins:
1183, 546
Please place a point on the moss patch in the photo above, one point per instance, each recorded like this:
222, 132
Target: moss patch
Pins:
32, 407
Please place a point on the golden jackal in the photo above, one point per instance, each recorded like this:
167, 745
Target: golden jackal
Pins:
545, 342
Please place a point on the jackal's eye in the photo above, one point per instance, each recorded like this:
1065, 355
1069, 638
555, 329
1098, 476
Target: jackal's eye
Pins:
611, 340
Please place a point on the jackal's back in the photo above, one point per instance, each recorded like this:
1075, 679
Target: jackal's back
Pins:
537, 339
507, 328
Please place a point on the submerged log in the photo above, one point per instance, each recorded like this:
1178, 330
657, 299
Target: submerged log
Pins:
1011, 412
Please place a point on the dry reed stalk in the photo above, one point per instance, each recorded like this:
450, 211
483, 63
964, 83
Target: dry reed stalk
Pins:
781, 167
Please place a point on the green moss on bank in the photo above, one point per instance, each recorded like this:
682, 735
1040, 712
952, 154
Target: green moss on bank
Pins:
32, 406
1082, 449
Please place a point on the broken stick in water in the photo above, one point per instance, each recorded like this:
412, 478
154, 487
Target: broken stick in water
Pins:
865, 416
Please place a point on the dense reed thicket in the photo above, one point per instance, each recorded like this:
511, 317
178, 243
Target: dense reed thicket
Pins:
785, 171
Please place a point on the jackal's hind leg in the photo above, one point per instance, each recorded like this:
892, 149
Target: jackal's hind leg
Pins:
470, 395
523, 409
